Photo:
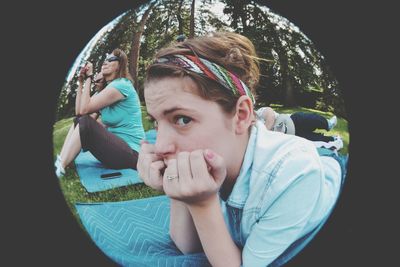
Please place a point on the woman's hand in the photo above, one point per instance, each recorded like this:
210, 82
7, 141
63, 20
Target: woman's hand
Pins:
194, 177
89, 69
82, 75
150, 167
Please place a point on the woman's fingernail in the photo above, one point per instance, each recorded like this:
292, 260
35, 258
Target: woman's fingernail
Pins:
209, 154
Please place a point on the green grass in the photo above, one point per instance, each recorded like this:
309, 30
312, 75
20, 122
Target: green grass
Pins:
74, 191
147, 124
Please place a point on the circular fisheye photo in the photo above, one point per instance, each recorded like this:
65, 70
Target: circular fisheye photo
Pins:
201, 133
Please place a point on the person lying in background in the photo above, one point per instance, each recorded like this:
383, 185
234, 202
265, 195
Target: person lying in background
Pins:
302, 124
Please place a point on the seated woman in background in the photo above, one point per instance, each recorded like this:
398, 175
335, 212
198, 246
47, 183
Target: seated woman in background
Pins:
115, 141
240, 193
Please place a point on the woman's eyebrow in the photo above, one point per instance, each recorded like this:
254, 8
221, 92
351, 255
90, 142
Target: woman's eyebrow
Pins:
173, 109
170, 110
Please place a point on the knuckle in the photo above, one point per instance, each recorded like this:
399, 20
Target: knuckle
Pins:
155, 165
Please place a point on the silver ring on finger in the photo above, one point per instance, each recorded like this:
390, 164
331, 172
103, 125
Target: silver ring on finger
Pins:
172, 177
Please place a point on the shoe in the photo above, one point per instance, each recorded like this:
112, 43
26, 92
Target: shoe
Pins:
58, 161
60, 171
337, 142
332, 122
335, 145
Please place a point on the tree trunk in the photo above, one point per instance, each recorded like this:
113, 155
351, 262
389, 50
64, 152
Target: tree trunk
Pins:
191, 34
179, 17
135, 47
239, 14
243, 17
287, 83
167, 24
290, 100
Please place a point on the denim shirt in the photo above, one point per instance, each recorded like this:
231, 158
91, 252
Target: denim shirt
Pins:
283, 191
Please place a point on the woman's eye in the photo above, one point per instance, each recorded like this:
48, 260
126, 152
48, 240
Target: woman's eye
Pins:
183, 120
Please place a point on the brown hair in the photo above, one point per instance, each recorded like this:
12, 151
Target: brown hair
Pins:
233, 51
123, 71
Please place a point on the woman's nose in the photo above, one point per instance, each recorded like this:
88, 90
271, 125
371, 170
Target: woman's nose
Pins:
165, 144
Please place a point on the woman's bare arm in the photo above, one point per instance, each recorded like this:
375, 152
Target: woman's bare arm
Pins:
214, 235
78, 95
197, 186
182, 229
98, 101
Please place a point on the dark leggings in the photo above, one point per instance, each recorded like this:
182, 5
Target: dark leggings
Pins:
108, 148
306, 123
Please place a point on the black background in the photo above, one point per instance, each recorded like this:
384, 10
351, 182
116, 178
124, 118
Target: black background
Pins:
39, 44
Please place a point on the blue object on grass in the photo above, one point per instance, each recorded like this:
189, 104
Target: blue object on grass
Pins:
135, 232
90, 169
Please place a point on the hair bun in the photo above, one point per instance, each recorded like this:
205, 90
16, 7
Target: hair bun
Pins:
234, 56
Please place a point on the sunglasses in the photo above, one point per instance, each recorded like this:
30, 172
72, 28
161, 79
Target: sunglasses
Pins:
111, 59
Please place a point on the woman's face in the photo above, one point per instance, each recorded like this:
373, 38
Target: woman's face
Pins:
110, 65
186, 122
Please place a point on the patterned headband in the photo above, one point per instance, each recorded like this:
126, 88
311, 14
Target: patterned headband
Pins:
209, 70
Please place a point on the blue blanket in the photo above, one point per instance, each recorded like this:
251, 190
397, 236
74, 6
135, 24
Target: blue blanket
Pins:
135, 232
151, 136
90, 169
